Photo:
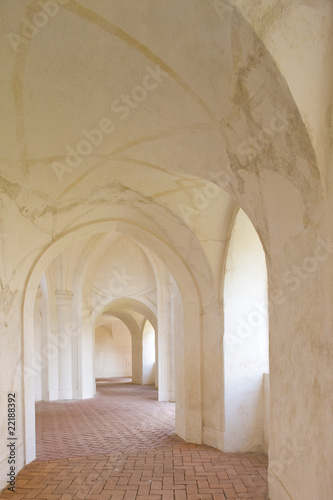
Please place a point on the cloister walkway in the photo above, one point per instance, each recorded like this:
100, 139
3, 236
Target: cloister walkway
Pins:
121, 445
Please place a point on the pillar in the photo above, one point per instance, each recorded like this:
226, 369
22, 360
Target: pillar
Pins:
64, 319
166, 391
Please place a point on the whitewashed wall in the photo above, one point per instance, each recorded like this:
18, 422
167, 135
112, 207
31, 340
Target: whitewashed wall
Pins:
245, 339
113, 349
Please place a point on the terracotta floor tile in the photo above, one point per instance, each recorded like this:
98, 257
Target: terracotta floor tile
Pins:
121, 445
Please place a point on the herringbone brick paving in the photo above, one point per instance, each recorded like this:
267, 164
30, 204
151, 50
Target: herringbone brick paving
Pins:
122, 417
152, 464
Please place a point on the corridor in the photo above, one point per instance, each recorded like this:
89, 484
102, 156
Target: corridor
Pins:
121, 445
122, 417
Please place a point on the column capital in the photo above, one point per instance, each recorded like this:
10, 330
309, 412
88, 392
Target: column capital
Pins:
64, 297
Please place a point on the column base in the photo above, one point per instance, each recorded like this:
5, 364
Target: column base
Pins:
166, 396
65, 394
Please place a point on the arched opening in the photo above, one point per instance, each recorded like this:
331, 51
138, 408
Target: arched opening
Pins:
246, 360
148, 353
135, 314
38, 343
141, 354
113, 348
76, 341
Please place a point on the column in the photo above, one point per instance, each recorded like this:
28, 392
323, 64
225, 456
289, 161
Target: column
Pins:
165, 383
64, 318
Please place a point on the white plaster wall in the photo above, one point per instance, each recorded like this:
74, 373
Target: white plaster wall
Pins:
148, 354
137, 367
245, 339
50, 345
266, 411
299, 36
113, 349
204, 107
38, 351
124, 271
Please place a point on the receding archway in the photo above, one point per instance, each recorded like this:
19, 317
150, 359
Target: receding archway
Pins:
186, 427
136, 315
113, 348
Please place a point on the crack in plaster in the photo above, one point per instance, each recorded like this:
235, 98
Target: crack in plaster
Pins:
7, 297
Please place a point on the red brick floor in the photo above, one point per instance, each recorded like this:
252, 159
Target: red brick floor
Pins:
120, 445
122, 417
